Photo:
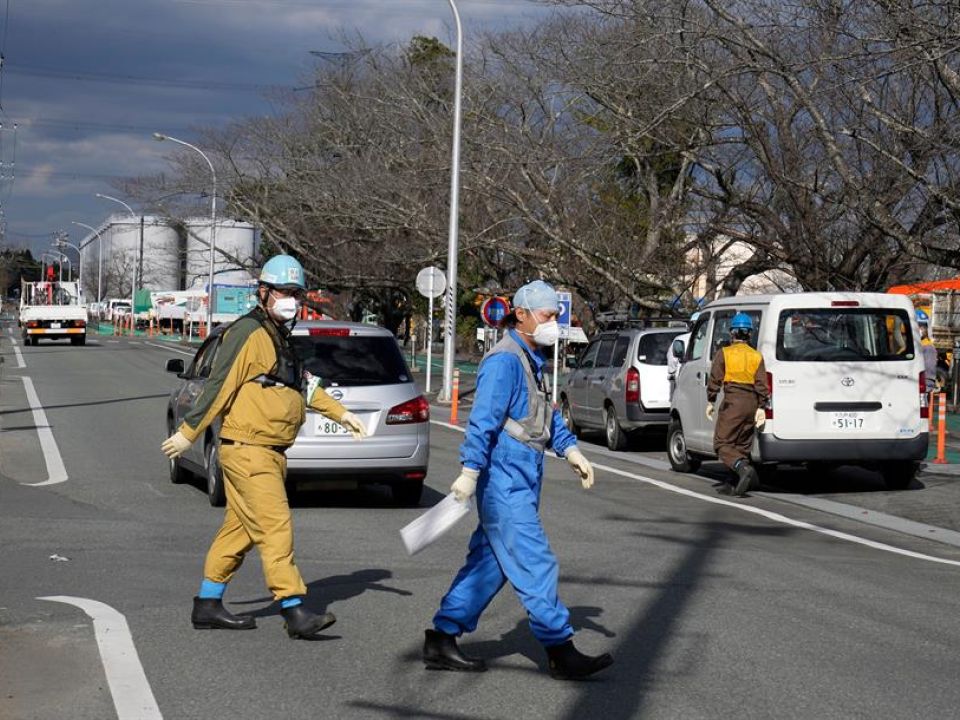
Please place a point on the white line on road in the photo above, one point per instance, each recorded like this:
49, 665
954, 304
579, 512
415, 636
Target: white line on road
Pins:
16, 351
132, 696
167, 347
776, 517
56, 472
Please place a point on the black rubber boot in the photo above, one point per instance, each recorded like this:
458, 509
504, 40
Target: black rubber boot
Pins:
747, 478
568, 663
306, 625
210, 614
440, 652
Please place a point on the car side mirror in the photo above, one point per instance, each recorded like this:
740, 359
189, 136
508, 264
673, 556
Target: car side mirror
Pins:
175, 365
678, 349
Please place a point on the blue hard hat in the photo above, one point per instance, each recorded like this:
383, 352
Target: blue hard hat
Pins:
536, 295
741, 321
283, 271
695, 316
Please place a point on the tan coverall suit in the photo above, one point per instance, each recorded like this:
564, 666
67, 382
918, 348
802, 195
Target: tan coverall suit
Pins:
259, 423
739, 371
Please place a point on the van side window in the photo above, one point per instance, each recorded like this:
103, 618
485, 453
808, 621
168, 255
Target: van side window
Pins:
698, 338
721, 329
589, 357
620, 350
605, 353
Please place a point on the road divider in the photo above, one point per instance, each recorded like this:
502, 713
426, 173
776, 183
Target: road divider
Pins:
132, 696
56, 471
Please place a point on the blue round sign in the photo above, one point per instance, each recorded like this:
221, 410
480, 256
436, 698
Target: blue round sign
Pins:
494, 310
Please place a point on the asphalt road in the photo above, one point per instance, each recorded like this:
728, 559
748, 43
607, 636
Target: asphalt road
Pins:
712, 607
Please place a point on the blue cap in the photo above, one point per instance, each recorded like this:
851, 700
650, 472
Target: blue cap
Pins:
741, 321
536, 295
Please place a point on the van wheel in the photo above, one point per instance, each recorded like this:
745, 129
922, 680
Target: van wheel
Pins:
680, 459
616, 437
567, 416
899, 475
215, 491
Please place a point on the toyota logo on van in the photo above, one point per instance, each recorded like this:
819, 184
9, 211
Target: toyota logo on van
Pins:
847, 382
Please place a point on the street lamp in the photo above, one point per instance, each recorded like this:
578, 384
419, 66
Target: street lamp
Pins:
99, 253
63, 243
133, 283
213, 220
450, 313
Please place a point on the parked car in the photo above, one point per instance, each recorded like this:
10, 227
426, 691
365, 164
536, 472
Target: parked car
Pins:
619, 384
846, 378
362, 367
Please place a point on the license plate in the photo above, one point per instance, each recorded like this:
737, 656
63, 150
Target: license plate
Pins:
325, 426
54, 326
847, 421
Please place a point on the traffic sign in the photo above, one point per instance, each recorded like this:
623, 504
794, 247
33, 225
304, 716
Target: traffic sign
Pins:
494, 310
431, 282
563, 320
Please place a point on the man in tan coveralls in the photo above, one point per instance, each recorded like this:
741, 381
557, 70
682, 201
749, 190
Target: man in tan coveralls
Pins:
256, 385
739, 371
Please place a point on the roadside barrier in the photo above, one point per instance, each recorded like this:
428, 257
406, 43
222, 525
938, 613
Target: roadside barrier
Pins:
941, 407
456, 396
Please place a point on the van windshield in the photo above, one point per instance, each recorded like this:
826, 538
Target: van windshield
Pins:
847, 334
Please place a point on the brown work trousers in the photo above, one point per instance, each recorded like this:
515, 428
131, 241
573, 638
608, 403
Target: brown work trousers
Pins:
736, 424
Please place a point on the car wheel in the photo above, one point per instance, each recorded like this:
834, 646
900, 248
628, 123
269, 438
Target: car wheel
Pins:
215, 491
78, 340
899, 475
177, 473
567, 416
680, 459
616, 437
407, 492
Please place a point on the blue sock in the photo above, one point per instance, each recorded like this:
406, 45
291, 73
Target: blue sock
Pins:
291, 602
210, 590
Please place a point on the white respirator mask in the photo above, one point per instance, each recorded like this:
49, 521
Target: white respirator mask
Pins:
547, 333
285, 308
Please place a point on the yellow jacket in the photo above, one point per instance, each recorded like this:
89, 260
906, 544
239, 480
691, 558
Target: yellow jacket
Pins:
738, 367
252, 413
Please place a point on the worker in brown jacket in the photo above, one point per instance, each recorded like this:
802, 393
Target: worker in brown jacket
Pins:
738, 370
256, 386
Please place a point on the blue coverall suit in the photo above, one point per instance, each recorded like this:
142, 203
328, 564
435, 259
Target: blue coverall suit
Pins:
509, 543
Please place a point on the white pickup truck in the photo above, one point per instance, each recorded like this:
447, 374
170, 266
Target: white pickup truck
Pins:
52, 310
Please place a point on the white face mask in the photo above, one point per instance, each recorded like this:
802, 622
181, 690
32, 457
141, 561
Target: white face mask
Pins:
284, 308
547, 333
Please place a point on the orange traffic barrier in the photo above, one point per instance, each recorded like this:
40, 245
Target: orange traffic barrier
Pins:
941, 458
455, 397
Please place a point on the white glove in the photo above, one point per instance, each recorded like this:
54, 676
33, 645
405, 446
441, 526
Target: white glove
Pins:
352, 423
465, 485
175, 445
760, 417
582, 467
710, 411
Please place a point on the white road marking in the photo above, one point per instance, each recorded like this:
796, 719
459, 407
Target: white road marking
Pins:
167, 347
16, 351
132, 696
56, 472
776, 517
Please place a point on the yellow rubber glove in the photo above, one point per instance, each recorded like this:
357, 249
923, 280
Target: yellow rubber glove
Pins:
711, 411
759, 418
175, 445
582, 467
352, 423
465, 485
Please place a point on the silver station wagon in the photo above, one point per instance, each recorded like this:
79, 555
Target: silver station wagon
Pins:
362, 367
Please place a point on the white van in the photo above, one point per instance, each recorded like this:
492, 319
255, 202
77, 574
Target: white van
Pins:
846, 378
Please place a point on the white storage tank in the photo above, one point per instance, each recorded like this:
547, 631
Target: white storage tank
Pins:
236, 249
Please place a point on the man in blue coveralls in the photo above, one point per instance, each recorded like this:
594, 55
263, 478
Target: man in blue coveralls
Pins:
510, 427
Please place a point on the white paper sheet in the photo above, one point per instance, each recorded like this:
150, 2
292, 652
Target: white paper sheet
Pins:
434, 523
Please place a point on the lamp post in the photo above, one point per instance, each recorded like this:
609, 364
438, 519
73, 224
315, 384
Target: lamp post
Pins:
133, 283
213, 220
450, 310
63, 243
99, 253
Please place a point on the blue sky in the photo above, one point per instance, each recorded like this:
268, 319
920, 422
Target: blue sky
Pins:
88, 82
